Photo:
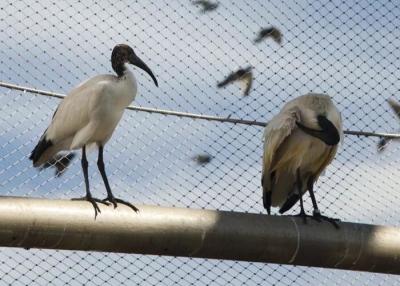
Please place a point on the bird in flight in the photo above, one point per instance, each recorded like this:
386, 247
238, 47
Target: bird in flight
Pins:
272, 32
242, 75
207, 6
299, 143
88, 116
383, 142
202, 159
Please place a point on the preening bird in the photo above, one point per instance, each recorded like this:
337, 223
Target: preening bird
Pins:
299, 143
244, 76
383, 142
89, 114
207, 6
272, 32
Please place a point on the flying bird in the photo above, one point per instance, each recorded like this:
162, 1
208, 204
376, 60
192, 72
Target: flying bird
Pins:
272, 32
244, 76
88, 115
207, 6
202, 159
383, 142
299, 143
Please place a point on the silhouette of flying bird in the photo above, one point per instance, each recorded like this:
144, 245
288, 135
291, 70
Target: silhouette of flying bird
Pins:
299, 143
383, 142
272, 32
207, 6
88, 116
202, 159
244, 76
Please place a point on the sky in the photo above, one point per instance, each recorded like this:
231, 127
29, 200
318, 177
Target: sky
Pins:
349, 51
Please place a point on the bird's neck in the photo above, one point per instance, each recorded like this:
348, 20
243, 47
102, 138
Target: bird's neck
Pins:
120, 68
127, 73
126, 88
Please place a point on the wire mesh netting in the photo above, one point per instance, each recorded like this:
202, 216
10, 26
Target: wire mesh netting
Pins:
349, 50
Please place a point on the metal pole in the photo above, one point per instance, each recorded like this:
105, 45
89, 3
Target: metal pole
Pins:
63, 224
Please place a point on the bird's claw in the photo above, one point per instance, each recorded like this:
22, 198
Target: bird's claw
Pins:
93, 201
302, 215
114, 201
318, 217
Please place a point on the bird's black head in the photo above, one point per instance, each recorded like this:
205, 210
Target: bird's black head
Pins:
122, 54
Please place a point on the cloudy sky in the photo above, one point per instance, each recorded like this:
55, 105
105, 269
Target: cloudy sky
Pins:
349, 51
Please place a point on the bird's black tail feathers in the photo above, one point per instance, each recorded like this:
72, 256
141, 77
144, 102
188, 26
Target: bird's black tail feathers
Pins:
290, 202
40, 148
60, 162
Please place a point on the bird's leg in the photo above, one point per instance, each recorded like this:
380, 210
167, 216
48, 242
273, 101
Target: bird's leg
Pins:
88, 197
110, 196
299, 188
316, 213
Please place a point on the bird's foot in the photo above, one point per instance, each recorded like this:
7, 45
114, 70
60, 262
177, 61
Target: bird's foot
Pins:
93, 201
302, 215
319, 217
114, 201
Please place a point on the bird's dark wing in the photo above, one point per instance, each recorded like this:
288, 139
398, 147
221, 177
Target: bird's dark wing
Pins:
395, 107
263, 33
383, 142
289, 203
230, 78
200, 2
269, 32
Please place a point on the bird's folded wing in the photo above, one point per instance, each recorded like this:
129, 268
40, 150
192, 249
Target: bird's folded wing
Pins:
277, 130
73, 113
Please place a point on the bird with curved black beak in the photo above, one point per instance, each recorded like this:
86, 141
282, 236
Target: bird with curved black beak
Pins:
88, 116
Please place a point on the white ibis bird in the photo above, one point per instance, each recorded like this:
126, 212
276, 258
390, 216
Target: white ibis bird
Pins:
299, 143
207, 6
272, 32
242, 75
396, 109
89, 114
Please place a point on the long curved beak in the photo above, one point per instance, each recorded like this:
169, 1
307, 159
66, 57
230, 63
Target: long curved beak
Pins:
135, 60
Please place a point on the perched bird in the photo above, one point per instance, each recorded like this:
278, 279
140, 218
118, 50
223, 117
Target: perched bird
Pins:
299, 143
272, 32
202, 159
383, 142
245, 76
207, 6
88, 116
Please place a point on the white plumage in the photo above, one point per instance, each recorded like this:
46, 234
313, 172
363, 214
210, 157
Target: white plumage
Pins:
89, 115
299, 142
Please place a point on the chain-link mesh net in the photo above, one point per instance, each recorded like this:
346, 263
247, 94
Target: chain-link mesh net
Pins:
349, 50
